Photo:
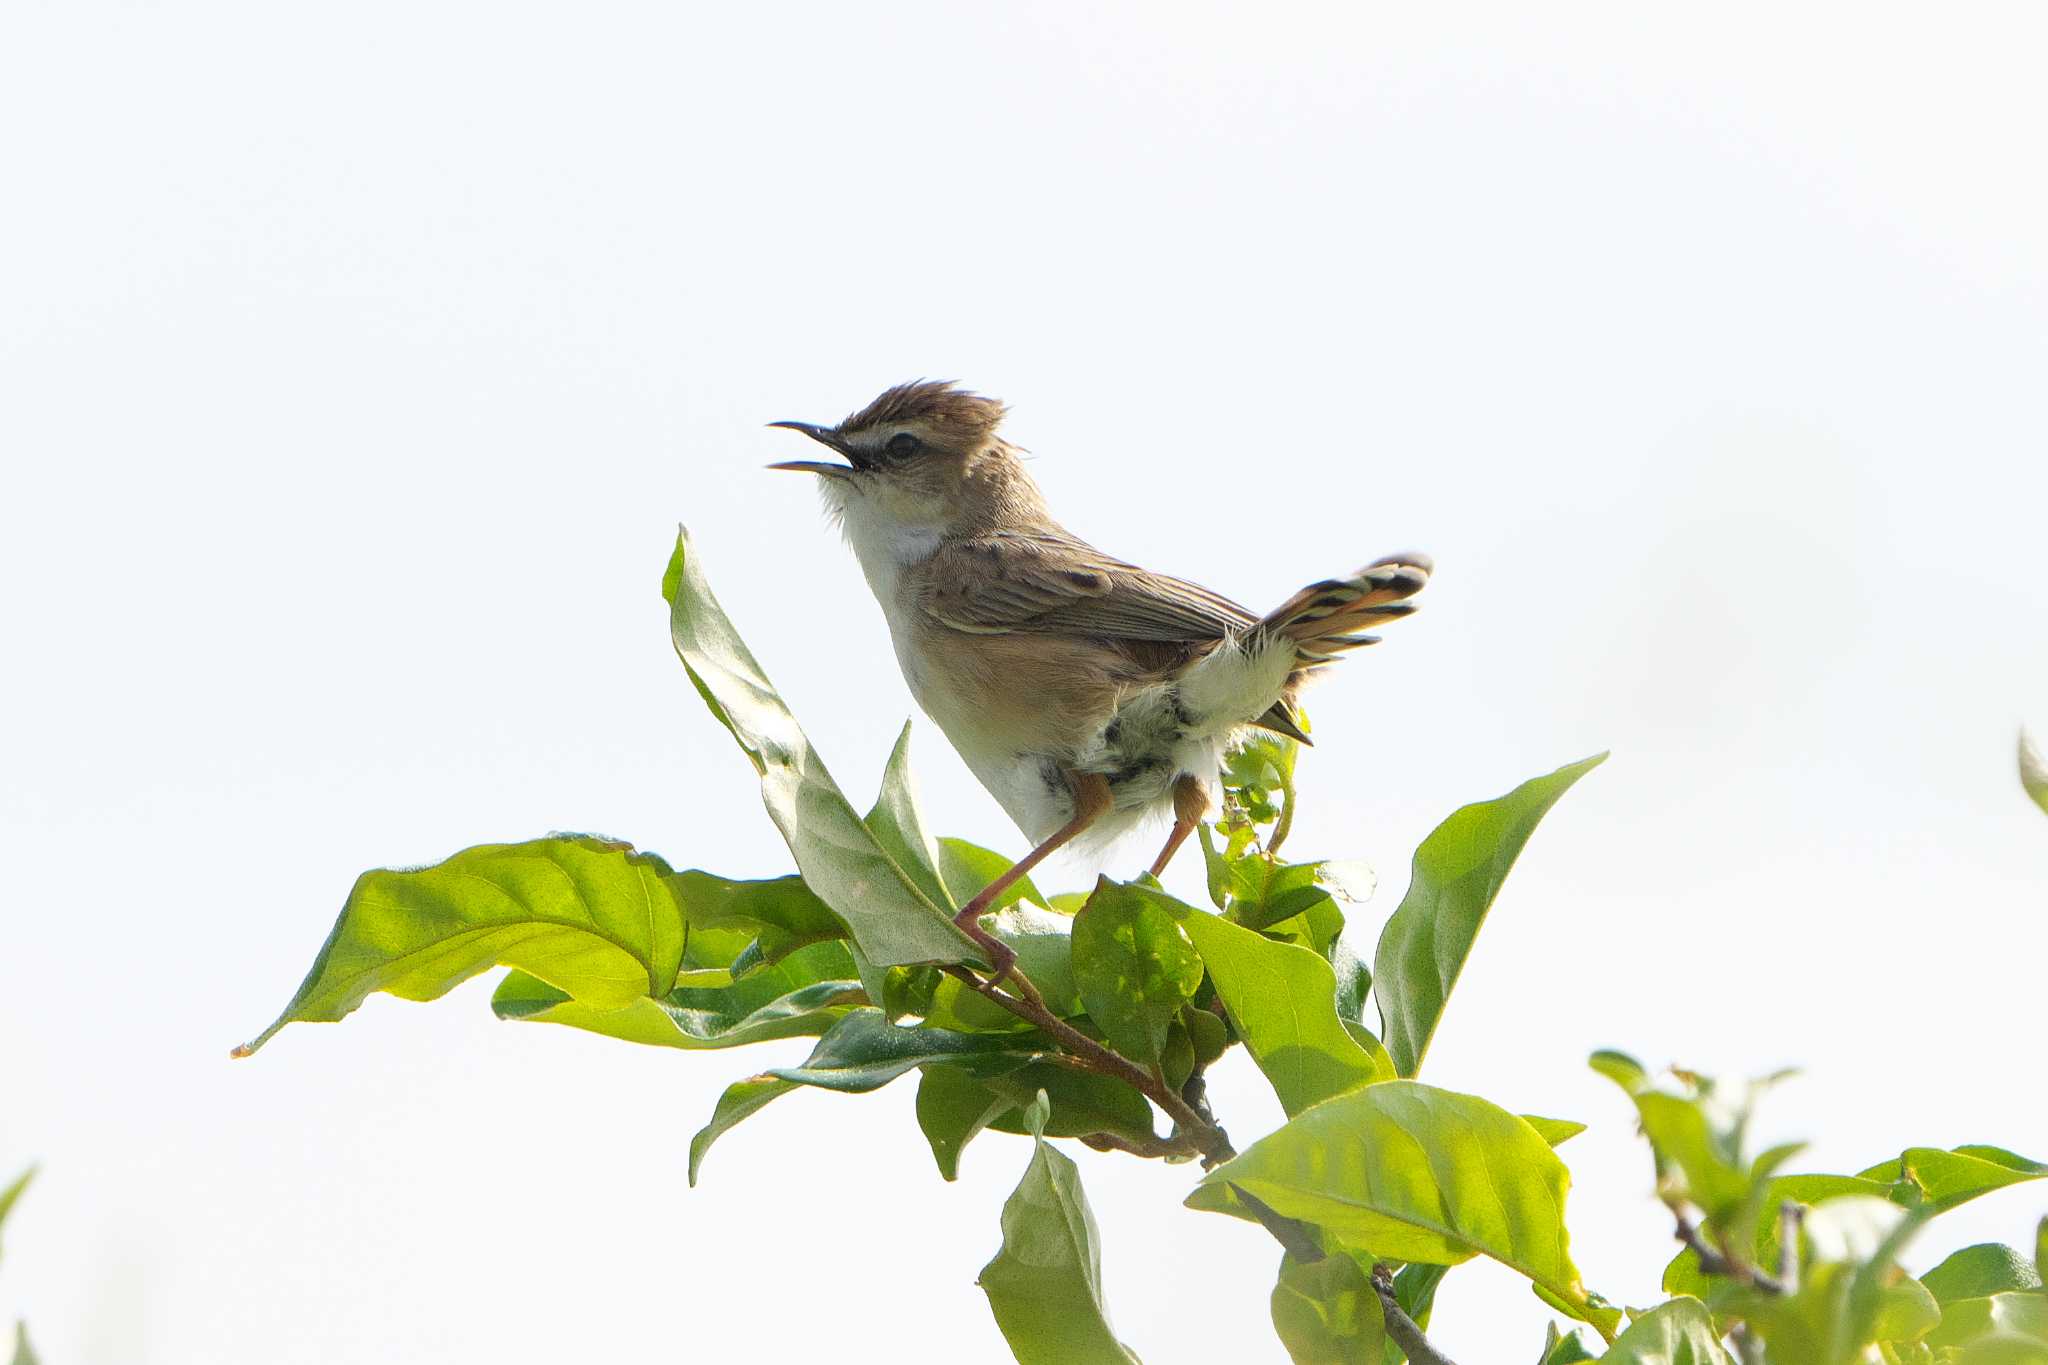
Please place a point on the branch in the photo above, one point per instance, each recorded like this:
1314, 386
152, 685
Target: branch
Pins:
1713, 1262
1201, 1134
1298, 1237
1401, 1328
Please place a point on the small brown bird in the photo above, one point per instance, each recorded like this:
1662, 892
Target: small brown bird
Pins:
1084, 692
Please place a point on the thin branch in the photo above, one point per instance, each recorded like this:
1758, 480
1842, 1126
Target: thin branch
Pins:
1150, 1147
1401, 1328
1713, 1262
1791, 1215
1205, 1137
1298, 1237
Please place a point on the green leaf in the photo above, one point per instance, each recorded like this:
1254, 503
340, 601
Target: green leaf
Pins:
741, 1100
864, 1052
12, 1193
957, 1102
1327, 1312
1929, 1175
1082, 1103
1282, 998
788, 1000
24, 1354
1980, 1271
1045, 1285
1556, 1132
1562, 1348
780, 913
967, 868
1413, 1173
2033, 771
1458, 871
1134, 968
1415, 1289
1966, 1321
1677, 1333
894, 923
899, 827
952, 1107
586, 915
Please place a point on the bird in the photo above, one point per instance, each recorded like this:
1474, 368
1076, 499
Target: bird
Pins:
1084, 692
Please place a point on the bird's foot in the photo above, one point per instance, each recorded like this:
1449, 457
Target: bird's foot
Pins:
1001, 956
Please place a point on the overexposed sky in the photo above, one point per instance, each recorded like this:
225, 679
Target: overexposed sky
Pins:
356, 363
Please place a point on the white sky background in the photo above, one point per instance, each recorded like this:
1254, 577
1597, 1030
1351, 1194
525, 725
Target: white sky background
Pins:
359, 361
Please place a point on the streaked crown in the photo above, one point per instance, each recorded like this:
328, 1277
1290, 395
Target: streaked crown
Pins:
942, 412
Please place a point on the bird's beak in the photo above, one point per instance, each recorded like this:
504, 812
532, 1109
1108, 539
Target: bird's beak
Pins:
826, 436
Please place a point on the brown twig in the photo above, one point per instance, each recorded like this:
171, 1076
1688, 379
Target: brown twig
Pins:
1713, 1262
1202, 1134
1298, 1237
1401, 1328
1791, 1215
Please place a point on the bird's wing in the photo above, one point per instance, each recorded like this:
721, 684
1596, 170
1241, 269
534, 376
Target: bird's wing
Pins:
1048, 583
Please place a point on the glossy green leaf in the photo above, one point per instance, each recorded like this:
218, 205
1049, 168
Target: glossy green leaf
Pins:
789, 1000
2021, 1315
1134, 968
899, 827
1943, 1180
1979, 1271
1677, 1333
1458, 871
966, 868
2033, 771
1045, 1285
894, 922
589, 916
1327, 1312
953, 1105
1282, 999
864, 1052
1562, 1348
1414, 1173
741, 1100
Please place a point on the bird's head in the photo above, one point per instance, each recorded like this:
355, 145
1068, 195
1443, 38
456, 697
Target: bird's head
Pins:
924, 454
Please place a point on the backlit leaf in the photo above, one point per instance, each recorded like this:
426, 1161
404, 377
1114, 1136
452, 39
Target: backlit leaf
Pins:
588, 916
841, 860
1677, 1333
1945, 1179
1045, 1285
1327, 1312
897, 824
1980, 1271
1458, 871
1413, 1173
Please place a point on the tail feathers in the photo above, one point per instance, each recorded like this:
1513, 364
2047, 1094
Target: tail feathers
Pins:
1325, 619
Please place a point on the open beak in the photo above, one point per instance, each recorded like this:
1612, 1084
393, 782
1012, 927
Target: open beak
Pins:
825, 436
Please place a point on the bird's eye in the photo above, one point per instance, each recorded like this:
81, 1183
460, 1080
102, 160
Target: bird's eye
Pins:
902, 446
